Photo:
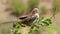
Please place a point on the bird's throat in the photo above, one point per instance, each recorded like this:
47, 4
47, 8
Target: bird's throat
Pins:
37, 15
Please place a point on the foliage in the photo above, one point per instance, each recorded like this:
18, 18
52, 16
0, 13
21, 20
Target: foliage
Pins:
33, 4
55, 6
18, 7
17, 28
52, 28
39, 25
35, 27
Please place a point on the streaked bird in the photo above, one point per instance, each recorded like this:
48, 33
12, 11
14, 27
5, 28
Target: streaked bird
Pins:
29, 19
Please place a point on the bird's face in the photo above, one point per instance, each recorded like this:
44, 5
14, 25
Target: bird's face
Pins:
35, 11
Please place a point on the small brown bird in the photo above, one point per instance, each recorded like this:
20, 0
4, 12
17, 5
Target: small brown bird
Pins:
28, 20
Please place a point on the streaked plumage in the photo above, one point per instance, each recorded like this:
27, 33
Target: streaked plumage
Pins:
28, 20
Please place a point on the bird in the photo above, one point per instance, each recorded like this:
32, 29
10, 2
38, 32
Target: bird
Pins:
30, 18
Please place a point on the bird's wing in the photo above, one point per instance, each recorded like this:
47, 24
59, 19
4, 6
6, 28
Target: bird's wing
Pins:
22, 17
30, 18
25, 16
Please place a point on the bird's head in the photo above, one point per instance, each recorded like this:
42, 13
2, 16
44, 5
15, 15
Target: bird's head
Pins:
35, 11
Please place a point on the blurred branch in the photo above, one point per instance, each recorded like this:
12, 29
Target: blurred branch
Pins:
10, 21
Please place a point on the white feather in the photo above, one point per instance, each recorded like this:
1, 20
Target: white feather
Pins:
37, 15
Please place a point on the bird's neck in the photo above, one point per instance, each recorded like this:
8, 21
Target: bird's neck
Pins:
36, 14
